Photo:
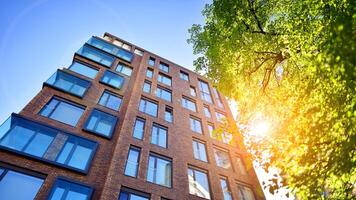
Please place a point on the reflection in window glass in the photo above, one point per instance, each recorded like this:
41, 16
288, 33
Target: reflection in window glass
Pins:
112, 79
110, 100
139, 128
198, 183
67, 190
148, 107
132, 162
123, 69
62, 111
101, 123
195, 125
83, 70
159, 136
18, 186
159, 171
222, 158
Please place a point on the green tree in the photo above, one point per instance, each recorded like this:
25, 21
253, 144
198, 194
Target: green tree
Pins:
294, 63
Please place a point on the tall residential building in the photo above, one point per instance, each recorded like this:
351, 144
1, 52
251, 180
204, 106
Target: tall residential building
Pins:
123, 123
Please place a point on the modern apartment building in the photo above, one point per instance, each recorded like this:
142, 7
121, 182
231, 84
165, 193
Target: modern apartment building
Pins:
123, 123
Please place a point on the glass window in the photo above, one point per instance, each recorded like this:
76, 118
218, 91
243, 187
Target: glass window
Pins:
149, 73
220, 117
211, 131
151, 61
112, 79
159, 170
195, 125
66, 190
164, 67
110, 100
168, 114
189, 104
164, 94
83, 70
138, 52
184, 76
139, 128
198, 183
164, 79
245, 193
69, 83
225, 188
207, 112
199, 150
241, 166
192, 91
18, 186
132, 162
147, 87
123, 69
96, 55
130, 194
222, 158
46, 143
101, 123
148, 107
218, 98
76, 153
159, 135
62, 111
204, 91
226, 137
112, 49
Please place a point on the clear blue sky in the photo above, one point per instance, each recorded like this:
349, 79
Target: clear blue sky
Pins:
37, 37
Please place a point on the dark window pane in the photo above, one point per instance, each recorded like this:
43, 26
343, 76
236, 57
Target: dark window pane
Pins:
64, 189
112, 49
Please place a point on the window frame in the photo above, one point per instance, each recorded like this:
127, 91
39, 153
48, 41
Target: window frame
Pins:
160, 94
20, 119
161, 80
86, 65
143, 130
150, 86
151, 59
151, 71
156, 157
130, 191
108, 84
165, 113
183, 74
145, 105
186, 101
206, 172
123, 66
59, 71
201, 124
112, 94
88, 46
204, 93
159, 127
96, 124
59, 101
164, 67
227, 152
137, 149
67, 188
205, 150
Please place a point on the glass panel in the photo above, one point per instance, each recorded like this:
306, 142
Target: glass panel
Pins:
149, 73
19, 186
139, 129
151, 61
132, 162
101, 123
96, 55
159, 171
39, 144
65, 152
148, 107
124, 69
202, 184
68, 83
67, 113
204, 91
57, 194
222, 159
112, 79
105, 46
164, 79
195, 125
199, 151
76, 195
147, 87
17, 138
136, 197
80, 157
83, 70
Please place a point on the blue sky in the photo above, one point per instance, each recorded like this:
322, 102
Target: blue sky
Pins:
37, 37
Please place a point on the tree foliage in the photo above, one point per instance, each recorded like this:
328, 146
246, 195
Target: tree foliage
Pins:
294, 62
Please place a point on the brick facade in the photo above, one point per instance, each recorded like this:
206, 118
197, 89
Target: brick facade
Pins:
106, 172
